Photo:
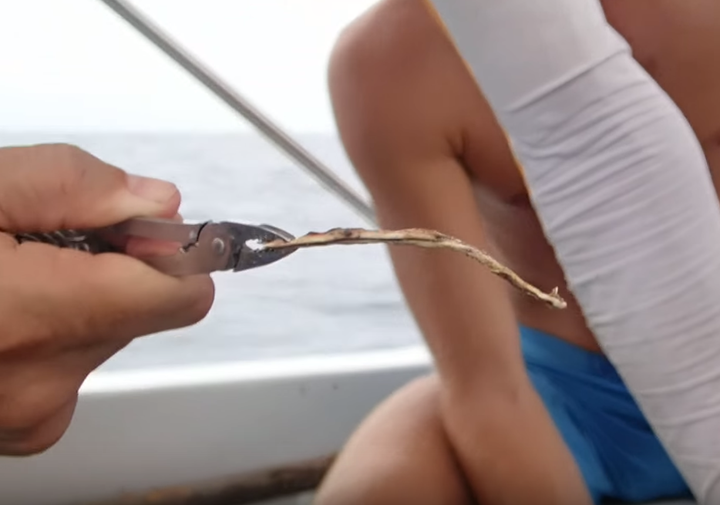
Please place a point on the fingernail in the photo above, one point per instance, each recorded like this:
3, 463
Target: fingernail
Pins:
148, 188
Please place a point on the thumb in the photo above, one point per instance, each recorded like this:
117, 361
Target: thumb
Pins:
58, 186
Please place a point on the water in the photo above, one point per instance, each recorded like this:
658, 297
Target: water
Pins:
328, 300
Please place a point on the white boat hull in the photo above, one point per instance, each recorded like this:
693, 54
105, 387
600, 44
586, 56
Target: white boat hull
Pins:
135, 432
138, 431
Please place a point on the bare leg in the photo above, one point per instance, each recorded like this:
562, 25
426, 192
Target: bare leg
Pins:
399, 455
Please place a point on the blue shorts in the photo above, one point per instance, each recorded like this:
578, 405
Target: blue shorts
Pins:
617, 452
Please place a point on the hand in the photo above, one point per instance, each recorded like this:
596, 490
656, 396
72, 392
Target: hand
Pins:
65, 312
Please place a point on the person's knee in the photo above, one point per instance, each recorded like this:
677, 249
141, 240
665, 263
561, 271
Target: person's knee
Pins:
371, 466
421, 394
398, 455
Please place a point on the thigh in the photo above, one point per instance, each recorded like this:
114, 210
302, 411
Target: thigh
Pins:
399, 454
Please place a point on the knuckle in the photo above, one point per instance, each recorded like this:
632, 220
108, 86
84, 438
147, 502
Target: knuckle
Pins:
73, 166
44, 172
66, 151
66, 157
71, 161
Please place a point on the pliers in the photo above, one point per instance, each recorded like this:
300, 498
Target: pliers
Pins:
203, 248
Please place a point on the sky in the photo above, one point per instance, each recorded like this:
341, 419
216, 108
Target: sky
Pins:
74, 65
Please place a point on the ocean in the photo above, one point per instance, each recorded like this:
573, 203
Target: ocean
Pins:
338, 299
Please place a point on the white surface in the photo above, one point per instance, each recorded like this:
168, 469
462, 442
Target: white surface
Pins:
136, 431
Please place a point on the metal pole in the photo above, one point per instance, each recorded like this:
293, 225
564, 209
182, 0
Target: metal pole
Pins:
242, 106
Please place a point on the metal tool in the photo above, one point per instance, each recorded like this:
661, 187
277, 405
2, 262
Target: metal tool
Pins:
202, 248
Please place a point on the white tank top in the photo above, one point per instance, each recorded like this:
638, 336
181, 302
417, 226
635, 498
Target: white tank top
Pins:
623, 192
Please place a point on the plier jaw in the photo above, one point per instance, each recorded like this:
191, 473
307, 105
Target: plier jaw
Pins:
245, 242
206, 247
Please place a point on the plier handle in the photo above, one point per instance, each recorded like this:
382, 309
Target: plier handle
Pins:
202, 248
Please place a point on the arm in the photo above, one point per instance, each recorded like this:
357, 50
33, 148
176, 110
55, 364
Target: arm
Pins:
622, 188
402, 145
